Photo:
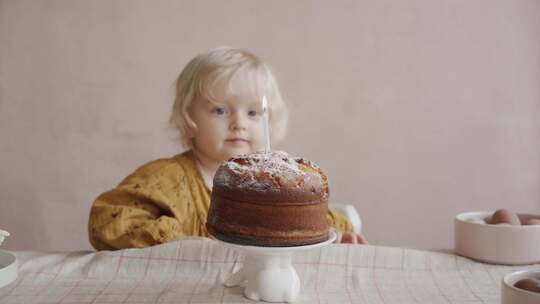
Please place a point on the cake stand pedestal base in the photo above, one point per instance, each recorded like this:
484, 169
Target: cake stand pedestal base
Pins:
267, 273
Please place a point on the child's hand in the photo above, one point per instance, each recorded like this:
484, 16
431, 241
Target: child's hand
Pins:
350, 238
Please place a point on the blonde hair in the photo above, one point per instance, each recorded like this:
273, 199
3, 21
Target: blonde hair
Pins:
214, 75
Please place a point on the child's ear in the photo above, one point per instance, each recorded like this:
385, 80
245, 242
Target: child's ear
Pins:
190, 132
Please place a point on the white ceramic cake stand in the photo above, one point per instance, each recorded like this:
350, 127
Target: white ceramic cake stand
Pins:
267, 273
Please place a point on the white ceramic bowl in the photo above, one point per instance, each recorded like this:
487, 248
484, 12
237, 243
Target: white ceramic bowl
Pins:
496, 244
514, 295
8, 268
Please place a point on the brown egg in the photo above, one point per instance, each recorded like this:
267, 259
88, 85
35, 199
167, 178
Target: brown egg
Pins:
529, 284
532, 221
503, 216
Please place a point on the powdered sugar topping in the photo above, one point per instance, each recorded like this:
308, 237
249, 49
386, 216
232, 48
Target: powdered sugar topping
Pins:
264, 171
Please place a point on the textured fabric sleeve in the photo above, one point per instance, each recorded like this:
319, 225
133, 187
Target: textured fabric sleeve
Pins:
144, 210
338, 221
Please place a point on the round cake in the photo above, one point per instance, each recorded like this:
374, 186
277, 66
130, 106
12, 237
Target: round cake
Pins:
269, 199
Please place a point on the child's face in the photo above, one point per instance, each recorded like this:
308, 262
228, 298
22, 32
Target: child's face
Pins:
227, 129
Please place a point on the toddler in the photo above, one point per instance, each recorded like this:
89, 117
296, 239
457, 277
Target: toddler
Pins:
218, 112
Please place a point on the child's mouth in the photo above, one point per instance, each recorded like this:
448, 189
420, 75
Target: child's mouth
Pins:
236, 141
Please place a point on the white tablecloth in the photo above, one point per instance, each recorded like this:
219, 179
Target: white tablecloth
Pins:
192, 271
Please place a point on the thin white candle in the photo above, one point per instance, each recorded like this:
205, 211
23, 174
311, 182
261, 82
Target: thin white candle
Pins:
266, 129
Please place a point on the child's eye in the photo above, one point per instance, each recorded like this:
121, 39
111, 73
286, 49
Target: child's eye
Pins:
252, 113
219, 111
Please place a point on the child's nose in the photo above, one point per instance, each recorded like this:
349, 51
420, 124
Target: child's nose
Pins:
238, 122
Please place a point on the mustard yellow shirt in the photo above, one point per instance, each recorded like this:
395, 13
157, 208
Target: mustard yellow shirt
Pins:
162, 201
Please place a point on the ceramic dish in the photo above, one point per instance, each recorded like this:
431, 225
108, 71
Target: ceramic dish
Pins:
513, 295
496, 244
8, 268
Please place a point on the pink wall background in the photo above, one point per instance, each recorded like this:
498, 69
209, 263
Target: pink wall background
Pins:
417, 109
